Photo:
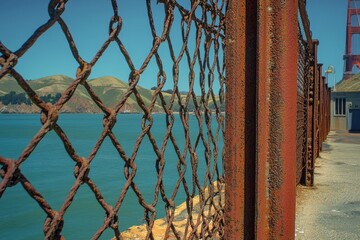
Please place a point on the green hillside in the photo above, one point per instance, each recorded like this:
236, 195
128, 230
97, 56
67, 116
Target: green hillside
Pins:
109, 89
8, 84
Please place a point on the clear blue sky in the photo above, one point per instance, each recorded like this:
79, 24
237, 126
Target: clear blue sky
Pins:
328, 25
88, 21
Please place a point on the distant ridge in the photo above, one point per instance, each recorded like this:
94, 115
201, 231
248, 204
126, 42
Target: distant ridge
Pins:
109, 89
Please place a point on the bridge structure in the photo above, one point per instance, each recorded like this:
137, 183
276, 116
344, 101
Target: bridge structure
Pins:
352, 54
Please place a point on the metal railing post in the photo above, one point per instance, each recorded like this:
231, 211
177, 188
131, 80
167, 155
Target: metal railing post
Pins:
312, 113
321, 112
277, 101
240, 135
307, 170
261, 100
317, 109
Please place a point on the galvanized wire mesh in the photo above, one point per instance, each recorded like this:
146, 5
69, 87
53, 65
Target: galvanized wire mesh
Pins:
202, 52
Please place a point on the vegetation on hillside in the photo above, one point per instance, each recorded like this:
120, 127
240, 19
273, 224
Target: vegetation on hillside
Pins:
15, 99
51, 98
21, 98
109, 89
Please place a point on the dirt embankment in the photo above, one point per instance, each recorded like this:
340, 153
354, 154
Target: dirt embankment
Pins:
201, 212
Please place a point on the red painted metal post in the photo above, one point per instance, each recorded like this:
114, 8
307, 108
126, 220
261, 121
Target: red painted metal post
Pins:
276, 142
240, 135
351, 58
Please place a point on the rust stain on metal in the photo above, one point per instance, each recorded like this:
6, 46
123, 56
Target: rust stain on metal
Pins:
277, 92
261, 119
283, 96
241, 35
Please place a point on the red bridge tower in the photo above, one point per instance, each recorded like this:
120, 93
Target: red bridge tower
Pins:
352, 28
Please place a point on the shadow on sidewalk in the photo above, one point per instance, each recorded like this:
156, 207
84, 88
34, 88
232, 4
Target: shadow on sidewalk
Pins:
344, 137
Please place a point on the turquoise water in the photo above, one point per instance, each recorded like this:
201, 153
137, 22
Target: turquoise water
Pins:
50, 170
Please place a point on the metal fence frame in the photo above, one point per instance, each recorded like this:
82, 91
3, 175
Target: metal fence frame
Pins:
263, 102
276, 121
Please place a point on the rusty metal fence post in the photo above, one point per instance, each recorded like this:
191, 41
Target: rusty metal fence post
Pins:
276, 146
317, 106
318, 114
312, 118
261, 120
321, 112
271, 194
328, 109
241, 38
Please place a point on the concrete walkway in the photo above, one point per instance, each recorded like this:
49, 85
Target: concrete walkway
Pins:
331, 209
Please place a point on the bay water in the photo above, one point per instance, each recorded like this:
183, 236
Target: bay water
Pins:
50, 170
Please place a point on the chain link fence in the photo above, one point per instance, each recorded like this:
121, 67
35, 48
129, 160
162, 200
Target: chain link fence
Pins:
313, 101
302, 106
173, 170
197, 171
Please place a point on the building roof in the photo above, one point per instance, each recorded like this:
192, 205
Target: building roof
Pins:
349, 85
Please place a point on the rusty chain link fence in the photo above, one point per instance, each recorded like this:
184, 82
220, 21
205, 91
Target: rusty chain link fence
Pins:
183, 197
313, 101
198, 168
302, 106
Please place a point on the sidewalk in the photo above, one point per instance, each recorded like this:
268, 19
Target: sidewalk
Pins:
331, 209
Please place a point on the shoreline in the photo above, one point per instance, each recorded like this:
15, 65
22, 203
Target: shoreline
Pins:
180, 218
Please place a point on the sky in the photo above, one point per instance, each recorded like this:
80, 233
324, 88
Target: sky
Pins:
328, 25
88, 22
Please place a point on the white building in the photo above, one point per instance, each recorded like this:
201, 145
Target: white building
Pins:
345, 105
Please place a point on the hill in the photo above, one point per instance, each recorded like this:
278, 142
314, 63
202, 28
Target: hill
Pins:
109, 89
